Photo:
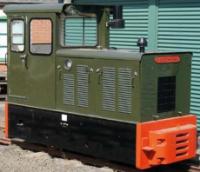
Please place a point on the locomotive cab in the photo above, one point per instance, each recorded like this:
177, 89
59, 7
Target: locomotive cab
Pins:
69, 89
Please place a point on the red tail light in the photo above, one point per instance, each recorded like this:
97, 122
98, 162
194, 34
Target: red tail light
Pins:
167, 59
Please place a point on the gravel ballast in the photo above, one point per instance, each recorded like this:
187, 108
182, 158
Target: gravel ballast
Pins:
15, 159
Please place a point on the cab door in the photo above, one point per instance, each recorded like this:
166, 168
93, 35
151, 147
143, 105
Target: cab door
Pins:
17, 66
31, 74
40, 64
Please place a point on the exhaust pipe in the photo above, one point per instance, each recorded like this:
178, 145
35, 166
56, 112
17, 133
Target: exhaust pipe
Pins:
142, 43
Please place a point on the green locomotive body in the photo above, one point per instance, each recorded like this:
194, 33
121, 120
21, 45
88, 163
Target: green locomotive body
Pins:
68, 89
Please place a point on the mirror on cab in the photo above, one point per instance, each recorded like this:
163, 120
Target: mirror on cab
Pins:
117, 21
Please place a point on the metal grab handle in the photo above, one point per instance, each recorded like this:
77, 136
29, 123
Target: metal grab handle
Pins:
99, 75
59, 72
89, 71
23, 58
133, 82
6, 58
133, 79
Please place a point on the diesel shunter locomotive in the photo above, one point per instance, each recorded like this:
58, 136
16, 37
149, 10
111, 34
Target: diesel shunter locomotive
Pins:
69, 89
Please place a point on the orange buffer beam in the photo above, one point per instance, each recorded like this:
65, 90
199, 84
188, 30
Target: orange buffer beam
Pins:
165, 141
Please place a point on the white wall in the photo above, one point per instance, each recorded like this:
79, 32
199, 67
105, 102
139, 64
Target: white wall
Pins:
3, 36
2, 13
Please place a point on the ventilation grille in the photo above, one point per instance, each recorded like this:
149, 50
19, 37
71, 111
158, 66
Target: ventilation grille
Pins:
82, 85
68, 85
166, 94
125, 90
109, 83
182, 144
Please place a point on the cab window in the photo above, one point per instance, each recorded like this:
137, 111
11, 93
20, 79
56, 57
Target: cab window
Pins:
40, 36
17, 35
80, 31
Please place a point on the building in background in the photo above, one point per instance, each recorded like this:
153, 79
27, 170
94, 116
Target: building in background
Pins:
3, 34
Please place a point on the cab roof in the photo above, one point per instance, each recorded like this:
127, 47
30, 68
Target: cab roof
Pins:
34, 8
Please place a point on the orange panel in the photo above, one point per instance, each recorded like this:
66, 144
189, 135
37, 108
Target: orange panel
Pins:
3, 68
165, 141
6, 119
